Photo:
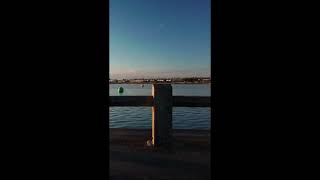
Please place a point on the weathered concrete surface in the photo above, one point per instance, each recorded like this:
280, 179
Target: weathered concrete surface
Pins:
130, 158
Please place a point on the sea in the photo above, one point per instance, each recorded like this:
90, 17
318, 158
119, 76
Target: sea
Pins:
141, 117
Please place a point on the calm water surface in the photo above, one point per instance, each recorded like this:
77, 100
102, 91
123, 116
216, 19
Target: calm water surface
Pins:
140, 117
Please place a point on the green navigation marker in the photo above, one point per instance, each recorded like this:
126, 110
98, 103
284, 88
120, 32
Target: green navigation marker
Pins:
120, 90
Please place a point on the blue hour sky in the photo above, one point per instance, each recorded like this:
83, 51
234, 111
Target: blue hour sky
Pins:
159, 38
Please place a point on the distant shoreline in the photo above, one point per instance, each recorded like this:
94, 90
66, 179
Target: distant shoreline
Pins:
159, 83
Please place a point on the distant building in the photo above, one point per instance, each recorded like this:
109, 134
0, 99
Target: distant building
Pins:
138, 80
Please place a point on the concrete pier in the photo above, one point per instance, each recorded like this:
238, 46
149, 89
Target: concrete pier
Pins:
171, 154
189, 157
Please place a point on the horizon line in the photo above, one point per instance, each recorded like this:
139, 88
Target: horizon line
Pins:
163, 77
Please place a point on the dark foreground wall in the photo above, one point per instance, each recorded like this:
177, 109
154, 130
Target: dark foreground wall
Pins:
189, 158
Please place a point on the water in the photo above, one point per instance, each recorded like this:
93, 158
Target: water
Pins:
140, 117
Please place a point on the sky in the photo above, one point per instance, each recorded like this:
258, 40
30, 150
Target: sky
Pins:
159, 38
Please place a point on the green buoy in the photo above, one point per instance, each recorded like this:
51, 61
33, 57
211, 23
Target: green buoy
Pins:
120, 90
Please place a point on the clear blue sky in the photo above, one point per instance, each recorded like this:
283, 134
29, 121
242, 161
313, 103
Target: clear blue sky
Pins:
159, 38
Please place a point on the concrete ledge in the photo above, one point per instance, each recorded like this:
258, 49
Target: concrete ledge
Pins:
130, 158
